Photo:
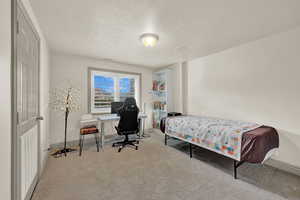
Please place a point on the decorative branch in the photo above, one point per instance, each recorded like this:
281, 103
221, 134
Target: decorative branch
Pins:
65, 99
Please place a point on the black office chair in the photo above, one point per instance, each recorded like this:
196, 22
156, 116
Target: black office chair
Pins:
128, 124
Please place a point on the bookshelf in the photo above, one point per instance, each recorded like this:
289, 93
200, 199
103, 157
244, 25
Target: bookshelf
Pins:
162, 95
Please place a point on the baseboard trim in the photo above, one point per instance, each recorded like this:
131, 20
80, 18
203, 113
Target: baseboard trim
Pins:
87, 141
284, 166
43, 165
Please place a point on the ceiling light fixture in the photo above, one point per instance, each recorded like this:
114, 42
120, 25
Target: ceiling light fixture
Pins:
149, 39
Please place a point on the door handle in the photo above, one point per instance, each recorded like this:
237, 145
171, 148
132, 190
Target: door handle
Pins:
39, 118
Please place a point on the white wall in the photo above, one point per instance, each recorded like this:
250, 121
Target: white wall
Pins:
184, 87
68, 69
176, 87
258, 81
44, 85
5, 98
179, 86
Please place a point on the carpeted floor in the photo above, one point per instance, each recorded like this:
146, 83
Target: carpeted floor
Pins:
158, 172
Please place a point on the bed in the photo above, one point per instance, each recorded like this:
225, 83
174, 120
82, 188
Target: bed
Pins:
238, 140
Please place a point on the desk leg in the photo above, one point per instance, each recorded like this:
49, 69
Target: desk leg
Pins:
140, 126
102, 134
143, 127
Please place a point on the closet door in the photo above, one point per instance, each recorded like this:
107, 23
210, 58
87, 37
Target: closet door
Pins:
27, 105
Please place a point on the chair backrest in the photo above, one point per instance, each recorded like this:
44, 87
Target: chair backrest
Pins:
128, 123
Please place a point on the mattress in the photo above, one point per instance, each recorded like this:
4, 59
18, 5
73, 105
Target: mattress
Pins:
255, 143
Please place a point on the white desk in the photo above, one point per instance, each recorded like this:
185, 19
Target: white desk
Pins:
114, 117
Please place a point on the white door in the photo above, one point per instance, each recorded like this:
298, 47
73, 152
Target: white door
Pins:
27, 105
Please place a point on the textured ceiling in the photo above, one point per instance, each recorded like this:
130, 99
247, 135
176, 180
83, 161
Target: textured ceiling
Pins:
187, 29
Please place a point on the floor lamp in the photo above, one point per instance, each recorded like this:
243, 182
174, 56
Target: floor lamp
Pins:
66, 100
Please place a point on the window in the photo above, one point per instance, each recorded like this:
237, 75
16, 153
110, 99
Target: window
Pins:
106, 87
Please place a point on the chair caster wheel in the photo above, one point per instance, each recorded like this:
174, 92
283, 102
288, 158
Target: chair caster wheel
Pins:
136, 148
119, 150
113, 145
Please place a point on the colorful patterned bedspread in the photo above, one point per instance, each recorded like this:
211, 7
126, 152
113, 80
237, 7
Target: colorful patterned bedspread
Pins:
219, 135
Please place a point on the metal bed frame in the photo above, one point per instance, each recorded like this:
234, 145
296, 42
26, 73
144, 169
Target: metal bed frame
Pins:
236, 163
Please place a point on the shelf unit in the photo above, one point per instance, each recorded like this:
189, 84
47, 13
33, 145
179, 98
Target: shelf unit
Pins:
162, 95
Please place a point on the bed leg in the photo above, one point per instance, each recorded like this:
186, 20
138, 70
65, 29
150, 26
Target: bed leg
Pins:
166, 139
191, 152
234, 169
236, 164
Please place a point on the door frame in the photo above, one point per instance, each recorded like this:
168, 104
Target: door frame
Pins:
15, 150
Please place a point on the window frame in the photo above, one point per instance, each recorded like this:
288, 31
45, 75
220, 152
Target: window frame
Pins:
93, 70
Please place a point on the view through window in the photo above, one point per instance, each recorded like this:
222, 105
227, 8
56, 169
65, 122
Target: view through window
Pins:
107, 87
